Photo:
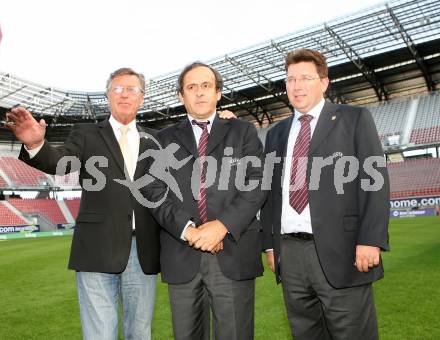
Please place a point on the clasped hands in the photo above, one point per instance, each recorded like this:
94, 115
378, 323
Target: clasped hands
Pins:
207, 237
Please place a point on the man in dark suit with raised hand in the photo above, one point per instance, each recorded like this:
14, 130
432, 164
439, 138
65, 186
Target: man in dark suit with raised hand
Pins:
326, 217
211, 239
115, 246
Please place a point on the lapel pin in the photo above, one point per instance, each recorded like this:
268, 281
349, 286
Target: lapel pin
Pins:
333, 117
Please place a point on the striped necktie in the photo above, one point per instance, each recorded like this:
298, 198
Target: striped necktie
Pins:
203, 143
299, 191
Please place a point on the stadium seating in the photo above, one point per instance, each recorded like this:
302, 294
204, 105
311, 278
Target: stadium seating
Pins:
3, 183
390, 116
427, 125
10, 218
426, 135
49, 208
22, 174
418, 177
73, 205
67, 181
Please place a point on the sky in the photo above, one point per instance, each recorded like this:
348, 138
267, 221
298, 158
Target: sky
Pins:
75, 45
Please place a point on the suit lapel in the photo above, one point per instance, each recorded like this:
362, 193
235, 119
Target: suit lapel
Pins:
108, 135
282, 150
218, 131
326, 122
185, 135
142, 148
284, 138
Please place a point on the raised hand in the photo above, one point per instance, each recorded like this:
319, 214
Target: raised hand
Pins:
25, 127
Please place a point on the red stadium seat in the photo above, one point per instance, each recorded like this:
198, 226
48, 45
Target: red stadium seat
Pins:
418, 177
49, 208
22, 174
10, 218
73, 205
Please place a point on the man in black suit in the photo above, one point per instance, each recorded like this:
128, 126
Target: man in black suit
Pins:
211, 239
326, 217
115, 246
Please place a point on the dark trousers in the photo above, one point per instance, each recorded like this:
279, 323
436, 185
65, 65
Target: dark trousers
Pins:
315, 309
232, 304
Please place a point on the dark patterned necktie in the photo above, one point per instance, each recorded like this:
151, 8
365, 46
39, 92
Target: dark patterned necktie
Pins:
203, 143
299, 191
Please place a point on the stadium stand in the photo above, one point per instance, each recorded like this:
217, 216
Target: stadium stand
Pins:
16, 174
67, 181
3, 183
46, 207
10, 218
427, 124
418, 177
390, 116
22, 175
73, 206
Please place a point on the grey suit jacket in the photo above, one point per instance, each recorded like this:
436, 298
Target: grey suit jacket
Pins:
234, 207
339, 221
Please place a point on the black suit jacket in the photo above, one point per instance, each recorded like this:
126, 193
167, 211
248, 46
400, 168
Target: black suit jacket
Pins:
236, 209
339, 221
103, 232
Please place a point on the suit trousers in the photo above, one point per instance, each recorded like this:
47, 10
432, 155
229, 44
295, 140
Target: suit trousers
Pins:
99, 294
232, 304
315, 309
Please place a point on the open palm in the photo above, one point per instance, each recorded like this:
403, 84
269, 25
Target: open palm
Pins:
25, 127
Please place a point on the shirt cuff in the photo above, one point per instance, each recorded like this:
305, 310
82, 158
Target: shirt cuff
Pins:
268, 250
32, 153
182, 236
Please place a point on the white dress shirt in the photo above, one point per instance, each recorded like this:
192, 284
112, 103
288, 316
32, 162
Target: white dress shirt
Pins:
197, 130
291, 221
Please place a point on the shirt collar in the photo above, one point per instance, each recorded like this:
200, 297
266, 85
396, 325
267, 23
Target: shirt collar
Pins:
210, 119
314, 112
117, 125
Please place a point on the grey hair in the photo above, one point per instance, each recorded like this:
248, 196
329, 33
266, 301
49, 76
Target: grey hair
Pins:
125, 71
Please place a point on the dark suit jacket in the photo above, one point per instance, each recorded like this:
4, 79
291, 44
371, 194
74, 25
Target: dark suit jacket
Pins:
236, 209
102, 237
339, 221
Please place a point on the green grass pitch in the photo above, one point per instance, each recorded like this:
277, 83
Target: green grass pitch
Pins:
38, 296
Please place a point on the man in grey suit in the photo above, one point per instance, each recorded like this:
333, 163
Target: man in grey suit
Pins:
211, 239
326, 217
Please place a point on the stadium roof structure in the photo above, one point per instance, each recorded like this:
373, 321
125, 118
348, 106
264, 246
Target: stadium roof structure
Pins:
373, 55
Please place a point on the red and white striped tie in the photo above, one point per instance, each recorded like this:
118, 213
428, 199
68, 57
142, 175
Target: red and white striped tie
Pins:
299, 189
203, 143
